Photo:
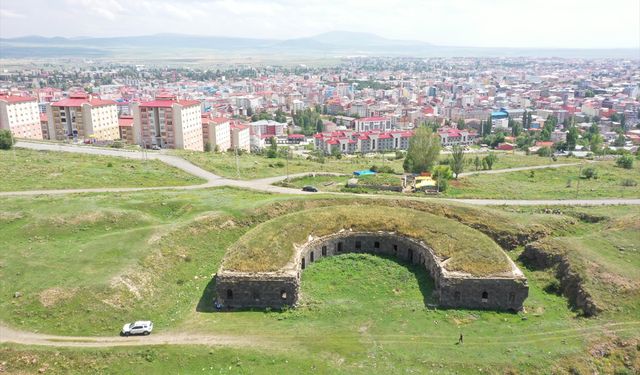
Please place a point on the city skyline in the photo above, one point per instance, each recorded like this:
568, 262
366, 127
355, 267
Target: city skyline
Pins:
527, 24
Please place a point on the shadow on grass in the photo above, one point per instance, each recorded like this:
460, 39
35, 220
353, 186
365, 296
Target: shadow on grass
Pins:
206, 303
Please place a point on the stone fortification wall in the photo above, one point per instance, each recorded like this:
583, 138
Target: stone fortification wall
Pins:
452, 289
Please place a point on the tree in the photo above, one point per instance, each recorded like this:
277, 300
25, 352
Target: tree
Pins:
572, 138
625, 161
249, 111
525, 125
461, 124
477, 163
595, 144
424, 149
486, 128
442, 174
458, 160
207, 147
490, 160
516, 129
6, 140
620, 141
273, 149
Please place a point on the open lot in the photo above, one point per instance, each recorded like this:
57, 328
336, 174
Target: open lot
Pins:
550, 183
85, 264
24, 169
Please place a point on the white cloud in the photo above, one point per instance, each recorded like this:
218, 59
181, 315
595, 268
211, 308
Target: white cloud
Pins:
509, 23
6, 13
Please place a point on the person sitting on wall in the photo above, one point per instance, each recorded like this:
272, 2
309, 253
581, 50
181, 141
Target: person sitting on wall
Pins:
217, 304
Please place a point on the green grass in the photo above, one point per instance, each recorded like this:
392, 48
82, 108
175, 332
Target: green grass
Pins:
270, 246
551, 183
321, 182
253, 166
257, 166
359, 314
33, 170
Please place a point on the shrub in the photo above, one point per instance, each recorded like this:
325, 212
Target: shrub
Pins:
589, 173
109, 165
625, 161
6, 140
629, 182
117, 144
544, 151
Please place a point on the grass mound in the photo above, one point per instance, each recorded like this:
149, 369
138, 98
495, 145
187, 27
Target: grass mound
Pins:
270, 246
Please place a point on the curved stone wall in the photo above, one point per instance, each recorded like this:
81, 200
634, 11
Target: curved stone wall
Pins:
452, 289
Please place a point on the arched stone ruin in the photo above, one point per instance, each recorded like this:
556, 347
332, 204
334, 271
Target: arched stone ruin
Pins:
504, 291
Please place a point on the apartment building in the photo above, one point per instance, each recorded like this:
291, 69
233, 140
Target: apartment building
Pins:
349, 142
82, 116
216, 132
168, 122
20, 115
126, 129
241, 137
373, 123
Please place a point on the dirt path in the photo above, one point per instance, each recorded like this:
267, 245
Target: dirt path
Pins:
10, 335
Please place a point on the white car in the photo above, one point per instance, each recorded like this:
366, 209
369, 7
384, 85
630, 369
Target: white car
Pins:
140, 327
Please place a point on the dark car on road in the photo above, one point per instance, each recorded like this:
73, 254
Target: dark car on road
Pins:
310, 188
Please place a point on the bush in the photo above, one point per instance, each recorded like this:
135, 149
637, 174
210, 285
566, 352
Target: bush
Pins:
545, 152
625, 161
399, 155
117, 144
6, 140
589, 173
629, 182
383, 169
109, 165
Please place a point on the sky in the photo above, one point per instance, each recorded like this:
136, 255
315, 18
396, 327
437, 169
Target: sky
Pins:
473, 23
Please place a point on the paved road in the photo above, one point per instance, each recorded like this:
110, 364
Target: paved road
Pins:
265, 184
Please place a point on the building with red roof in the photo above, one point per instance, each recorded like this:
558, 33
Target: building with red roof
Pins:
21, 116
216, 132
168, 122
83, 116
125, 124
373, 123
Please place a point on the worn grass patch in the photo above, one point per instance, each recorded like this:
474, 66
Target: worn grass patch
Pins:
270, 246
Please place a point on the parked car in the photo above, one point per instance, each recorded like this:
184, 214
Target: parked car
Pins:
140, 327
310, 188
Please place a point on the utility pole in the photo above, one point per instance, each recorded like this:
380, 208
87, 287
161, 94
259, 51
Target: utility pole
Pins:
288, 151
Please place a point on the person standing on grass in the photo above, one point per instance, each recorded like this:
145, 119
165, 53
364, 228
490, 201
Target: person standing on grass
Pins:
460, 339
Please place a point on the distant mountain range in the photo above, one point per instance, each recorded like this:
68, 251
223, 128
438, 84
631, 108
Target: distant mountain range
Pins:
330, 44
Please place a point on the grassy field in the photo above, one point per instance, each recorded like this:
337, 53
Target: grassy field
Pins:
84, 264
551, 183
33, 170
253, 166
270, 246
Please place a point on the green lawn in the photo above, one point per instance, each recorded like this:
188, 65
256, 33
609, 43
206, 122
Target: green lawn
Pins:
256, 166
84, 264
23, 169
550, 183
253, 166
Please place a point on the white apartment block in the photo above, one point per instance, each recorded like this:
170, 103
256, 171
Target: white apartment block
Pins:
168, 123
83, 117
373, 123
240, 137
20, 115
217, 133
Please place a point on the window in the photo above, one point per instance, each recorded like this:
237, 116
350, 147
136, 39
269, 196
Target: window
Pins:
303, 263
512, 297
311, 257
358, 245
410, 255
376, 245
339, 246
229, 294
324, 251
395, 249
485, 296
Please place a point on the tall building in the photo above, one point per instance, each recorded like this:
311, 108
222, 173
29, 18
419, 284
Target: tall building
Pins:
21, 116
168, 122
217, 133
82, 116
240, 137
